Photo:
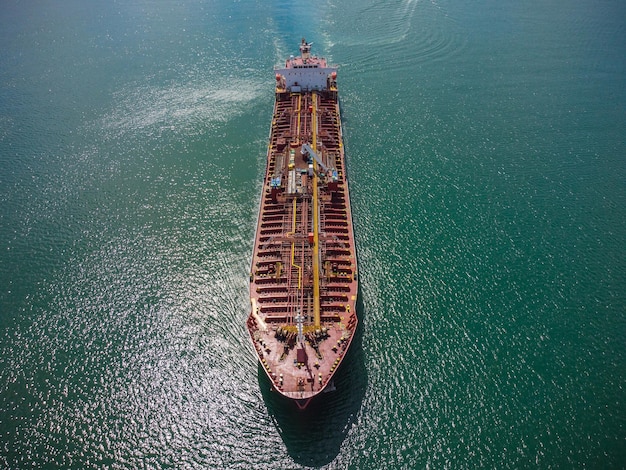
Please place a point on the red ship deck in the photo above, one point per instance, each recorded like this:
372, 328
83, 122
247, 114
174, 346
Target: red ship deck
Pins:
303, 279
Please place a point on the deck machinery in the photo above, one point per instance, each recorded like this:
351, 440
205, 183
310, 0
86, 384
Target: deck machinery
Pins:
303, 276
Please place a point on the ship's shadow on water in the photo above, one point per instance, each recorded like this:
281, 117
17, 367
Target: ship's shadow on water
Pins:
313, 436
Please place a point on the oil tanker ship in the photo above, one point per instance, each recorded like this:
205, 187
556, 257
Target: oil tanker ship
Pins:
303, 275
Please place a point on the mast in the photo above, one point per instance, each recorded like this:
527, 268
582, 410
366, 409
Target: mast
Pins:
305, 49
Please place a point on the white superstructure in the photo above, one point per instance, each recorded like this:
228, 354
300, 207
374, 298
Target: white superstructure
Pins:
305, 73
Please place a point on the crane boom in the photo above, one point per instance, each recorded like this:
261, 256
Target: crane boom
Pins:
306, 149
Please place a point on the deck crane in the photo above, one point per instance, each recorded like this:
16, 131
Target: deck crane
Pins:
331, 172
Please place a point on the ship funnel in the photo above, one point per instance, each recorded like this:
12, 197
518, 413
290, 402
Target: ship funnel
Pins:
305, 49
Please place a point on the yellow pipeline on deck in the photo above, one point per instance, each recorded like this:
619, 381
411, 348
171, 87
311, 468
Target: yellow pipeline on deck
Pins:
316, 254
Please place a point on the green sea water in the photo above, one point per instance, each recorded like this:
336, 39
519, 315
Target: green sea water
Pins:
486, 151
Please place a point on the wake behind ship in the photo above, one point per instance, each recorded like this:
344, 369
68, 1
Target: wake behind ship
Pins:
303, 277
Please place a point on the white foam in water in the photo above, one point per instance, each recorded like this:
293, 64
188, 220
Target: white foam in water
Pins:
181, 107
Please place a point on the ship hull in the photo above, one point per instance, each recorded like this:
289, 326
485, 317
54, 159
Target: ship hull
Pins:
303, 276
